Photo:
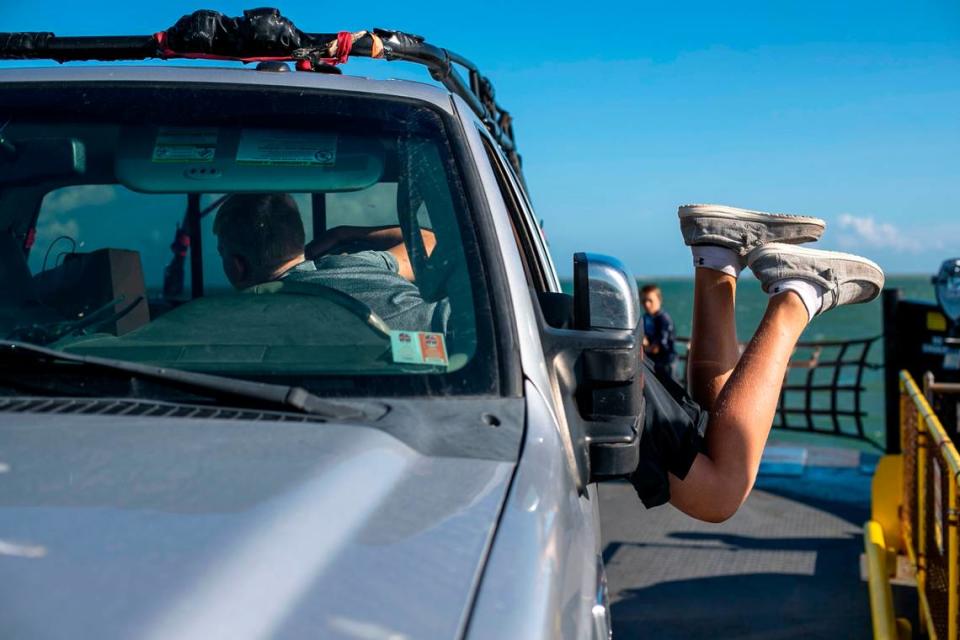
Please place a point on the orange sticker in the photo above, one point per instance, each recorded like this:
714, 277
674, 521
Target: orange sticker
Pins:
433, 349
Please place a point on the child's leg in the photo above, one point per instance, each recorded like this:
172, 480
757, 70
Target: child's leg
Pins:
713, 343
721, 237
802, 283
709, 476
741, 417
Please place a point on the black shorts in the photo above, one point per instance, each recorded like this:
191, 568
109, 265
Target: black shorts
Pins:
673, 435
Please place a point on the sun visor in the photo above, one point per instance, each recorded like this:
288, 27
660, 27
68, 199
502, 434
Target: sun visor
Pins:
232, 159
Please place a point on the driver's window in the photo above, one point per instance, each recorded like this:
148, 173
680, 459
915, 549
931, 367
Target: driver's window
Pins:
536, 274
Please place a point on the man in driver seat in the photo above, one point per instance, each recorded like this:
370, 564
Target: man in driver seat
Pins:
260, 238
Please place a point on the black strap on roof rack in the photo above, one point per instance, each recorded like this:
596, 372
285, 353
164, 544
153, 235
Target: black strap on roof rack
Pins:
265, 35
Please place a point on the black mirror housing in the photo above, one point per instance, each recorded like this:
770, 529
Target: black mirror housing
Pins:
597, 364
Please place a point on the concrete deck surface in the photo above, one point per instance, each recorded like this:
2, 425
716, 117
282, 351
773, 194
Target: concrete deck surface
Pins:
787, 565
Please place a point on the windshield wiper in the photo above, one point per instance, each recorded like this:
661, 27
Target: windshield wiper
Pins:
261, 394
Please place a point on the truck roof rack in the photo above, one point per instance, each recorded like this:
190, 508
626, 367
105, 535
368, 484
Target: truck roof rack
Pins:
263, 35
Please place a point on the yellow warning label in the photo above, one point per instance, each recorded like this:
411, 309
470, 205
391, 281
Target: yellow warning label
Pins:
936, 321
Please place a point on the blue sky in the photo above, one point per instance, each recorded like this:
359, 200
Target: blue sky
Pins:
845, 110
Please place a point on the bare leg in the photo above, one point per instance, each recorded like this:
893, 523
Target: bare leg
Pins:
713, 346
719, 482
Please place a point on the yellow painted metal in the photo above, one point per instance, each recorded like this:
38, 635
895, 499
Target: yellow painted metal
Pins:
886, 494
936, 321
939, 438
926, 620
953, 593
907, 534
921, 486
885, 624
904, 630
934, 447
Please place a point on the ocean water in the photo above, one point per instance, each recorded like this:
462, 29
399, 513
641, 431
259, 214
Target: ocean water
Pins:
845, 323
852, 321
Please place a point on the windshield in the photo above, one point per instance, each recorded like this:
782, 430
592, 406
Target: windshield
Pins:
272, 235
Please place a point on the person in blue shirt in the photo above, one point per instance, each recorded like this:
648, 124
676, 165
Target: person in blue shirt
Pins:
658, 332
260, 238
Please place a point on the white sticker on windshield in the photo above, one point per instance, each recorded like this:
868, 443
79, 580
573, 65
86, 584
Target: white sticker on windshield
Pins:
418, 347
183, 144
283, 147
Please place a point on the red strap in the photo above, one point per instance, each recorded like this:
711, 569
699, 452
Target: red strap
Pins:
30, 239
344, 45
181, 243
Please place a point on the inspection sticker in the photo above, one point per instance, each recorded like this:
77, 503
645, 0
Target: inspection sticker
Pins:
282, 147
181, 144
418, 347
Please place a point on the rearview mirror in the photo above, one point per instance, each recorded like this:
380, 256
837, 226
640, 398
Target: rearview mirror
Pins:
39, 159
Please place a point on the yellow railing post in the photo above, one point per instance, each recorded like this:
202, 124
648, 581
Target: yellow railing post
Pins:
953, 588
908, 440
920, 535
937, 510
885, 624
922, 528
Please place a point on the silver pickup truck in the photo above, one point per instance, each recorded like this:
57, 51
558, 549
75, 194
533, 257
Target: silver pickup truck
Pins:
394, 432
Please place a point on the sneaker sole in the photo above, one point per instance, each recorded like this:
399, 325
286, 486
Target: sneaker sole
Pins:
780, 249
735, 213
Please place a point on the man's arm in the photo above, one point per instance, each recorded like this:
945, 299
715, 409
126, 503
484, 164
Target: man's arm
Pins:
399, 251
389, 239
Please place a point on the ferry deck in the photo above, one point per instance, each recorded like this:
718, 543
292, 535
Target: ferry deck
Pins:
846, 535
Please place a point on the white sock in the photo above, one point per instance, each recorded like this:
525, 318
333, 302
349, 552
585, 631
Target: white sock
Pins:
710, 256
810, 292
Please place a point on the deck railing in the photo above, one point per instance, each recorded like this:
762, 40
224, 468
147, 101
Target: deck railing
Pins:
824, 388
929, 510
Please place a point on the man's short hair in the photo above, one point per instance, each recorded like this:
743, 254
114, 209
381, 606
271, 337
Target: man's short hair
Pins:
265, 228
651, 288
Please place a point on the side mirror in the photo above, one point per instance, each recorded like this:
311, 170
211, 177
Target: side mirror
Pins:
604, 294
597, 364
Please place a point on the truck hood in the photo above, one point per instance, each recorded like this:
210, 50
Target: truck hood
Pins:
145, 527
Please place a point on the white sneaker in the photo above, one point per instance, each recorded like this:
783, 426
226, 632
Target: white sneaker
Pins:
844, 277
743, 230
